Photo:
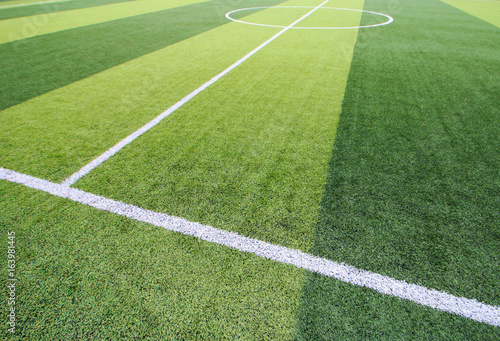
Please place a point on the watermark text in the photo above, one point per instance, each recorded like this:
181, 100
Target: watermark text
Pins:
11, 281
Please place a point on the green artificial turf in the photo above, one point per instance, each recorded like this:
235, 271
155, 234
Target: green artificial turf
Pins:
333, 310
487, 10
84, 274
54, 135
32, 67
23, 2
53, 7
23, 28
413, 188
250, 153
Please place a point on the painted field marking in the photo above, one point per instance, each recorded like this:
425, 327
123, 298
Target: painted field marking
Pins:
33, 3
116, 148
390, 19
435, 299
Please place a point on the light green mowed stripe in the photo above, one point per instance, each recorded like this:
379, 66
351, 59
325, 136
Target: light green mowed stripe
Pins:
487, 10
25, 27
53, 135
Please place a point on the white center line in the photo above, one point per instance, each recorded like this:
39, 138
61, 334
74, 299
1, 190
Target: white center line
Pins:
432, 298
116, 148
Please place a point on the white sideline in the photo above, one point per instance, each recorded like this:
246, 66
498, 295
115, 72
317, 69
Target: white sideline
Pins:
465, 307
33, 3
116, 148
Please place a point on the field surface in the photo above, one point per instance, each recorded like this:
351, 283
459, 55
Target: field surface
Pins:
250, 170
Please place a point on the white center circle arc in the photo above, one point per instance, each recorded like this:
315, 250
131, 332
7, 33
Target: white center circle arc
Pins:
389, 18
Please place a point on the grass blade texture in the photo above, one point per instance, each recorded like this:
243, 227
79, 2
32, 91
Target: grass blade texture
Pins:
250, 153
55, 134
413, 187
27, 27
34, 66
51, 7
83, 274
488, 10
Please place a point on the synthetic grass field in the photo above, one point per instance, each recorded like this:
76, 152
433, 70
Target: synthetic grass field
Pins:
327, 170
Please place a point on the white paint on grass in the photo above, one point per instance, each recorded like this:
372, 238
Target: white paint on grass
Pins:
120, 145
33, 3
465, 307
389, 18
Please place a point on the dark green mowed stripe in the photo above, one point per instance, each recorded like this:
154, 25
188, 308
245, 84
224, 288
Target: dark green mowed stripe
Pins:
53, 7
413, 188
34, 66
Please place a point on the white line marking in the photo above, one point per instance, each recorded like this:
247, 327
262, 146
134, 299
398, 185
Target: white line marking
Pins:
465, 307
389, 18
116, 148
33, 3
